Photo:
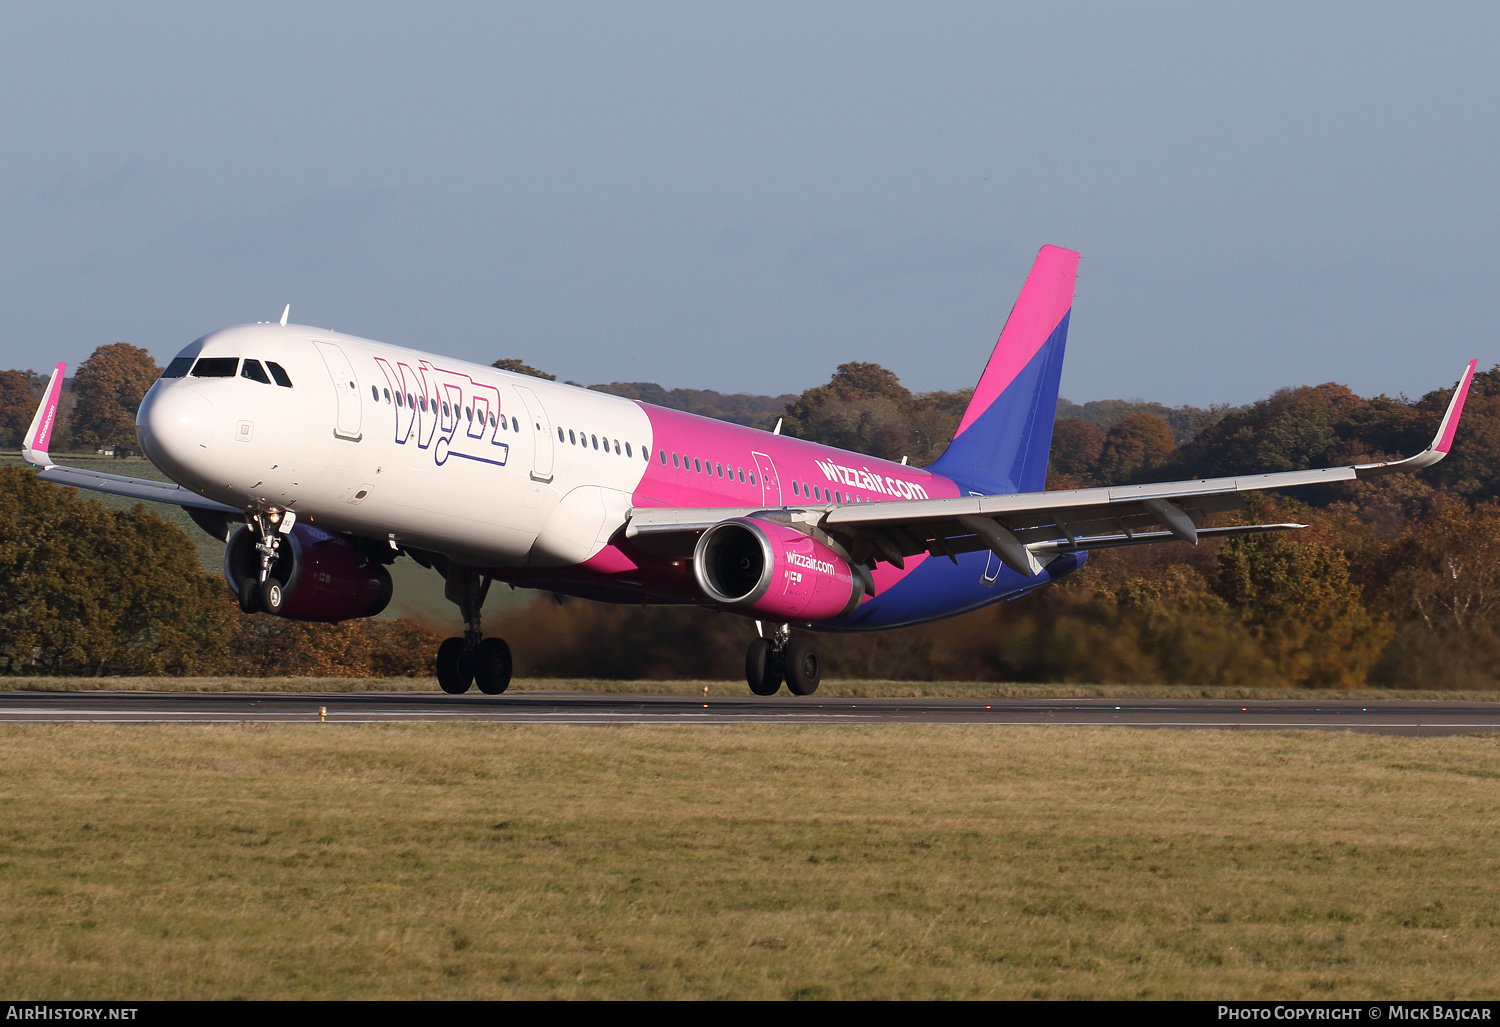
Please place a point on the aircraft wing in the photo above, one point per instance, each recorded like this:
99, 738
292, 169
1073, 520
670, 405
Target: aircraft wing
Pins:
1024, 529
39, 437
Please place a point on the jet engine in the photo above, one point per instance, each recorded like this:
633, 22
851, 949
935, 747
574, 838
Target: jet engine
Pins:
324, 576
773, 570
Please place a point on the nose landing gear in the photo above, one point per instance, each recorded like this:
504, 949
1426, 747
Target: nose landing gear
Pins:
472, 659
769, 661
265, 592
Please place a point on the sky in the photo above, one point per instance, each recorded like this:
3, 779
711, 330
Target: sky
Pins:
742, 197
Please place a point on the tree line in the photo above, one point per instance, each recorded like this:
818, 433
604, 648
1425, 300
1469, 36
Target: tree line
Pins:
1396, 582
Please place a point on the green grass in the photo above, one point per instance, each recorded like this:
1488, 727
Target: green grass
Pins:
754, 861
835, 689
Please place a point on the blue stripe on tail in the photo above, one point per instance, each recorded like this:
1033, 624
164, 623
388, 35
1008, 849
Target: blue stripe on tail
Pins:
1005, 449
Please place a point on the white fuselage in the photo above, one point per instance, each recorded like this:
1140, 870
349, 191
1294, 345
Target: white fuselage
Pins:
439, 472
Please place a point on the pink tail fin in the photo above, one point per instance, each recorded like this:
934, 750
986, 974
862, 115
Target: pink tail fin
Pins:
1002, 442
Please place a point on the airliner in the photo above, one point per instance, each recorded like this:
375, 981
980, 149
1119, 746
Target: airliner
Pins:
320, 458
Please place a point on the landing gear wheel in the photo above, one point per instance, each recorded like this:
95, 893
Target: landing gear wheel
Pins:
249, 597
804, 666
272, 596
455, 666
492, 666
763, 667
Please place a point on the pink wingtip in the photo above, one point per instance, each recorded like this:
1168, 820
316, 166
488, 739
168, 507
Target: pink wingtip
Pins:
43, 438
1455, 409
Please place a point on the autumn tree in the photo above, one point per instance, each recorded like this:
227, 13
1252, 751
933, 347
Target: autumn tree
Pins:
1296, 597
516, 365
1442, 584
1136, 445
17, 405
865, 408
1077, 446
96, 591
109, 388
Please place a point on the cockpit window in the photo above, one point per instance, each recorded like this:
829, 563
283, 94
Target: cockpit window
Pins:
178, 368
216, 367
254, 372
282, 378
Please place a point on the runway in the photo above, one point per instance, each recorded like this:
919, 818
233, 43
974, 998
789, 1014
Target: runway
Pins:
593, 708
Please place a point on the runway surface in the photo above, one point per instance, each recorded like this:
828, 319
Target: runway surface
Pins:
594, 708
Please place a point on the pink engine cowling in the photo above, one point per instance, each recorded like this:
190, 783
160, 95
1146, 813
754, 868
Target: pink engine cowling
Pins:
324, 576
775, 570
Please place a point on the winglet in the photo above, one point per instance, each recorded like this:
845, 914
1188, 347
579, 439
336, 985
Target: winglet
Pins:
1441, 442
1444, 438
39, 435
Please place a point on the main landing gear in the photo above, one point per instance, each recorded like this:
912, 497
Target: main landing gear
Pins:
471, 659
798, 661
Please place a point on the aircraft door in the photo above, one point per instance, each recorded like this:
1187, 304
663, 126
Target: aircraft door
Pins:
541, 467
770, 484
344, 387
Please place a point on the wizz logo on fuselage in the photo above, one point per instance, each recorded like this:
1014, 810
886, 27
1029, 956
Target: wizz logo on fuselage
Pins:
445, 411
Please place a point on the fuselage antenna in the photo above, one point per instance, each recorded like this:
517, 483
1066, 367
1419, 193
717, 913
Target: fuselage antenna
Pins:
777, 430
284, 313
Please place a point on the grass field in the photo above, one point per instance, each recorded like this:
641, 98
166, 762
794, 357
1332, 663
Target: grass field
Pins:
828, 689
753, 861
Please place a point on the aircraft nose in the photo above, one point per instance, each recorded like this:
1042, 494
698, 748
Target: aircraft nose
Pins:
174, 425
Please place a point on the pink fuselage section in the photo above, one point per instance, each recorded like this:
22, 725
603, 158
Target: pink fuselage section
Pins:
700, 462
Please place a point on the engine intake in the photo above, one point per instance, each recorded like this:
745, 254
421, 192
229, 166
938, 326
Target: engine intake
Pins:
775, 570
324, 576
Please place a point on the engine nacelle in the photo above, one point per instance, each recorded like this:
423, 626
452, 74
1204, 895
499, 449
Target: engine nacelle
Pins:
775, 570
324, 577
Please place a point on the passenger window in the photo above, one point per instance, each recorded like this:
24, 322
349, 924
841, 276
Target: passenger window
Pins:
794, 489
674, 460
595, 439
492, 420
387, 393
560, 435
572, 438
398, 400
515, 425
282, 378
178, 368
424, 404
254, 372
409, 401
374, 392
216, 367
752, 477
721, 469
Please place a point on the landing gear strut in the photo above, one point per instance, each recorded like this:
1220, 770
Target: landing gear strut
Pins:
472, 659
770, 660
264, 592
